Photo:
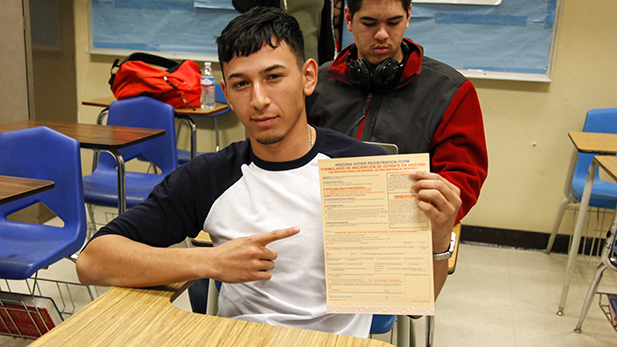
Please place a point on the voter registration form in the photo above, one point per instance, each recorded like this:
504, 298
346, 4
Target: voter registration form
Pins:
378, 249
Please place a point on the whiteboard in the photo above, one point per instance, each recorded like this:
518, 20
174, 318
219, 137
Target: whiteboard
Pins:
496, 39
465, 2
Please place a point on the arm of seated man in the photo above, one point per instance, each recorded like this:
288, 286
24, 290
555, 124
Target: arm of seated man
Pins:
114, 260
441, 201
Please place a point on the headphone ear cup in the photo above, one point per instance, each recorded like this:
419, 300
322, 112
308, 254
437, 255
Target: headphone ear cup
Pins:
387, 74
359, 73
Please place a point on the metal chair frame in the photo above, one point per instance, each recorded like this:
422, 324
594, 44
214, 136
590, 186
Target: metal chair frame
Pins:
609, 261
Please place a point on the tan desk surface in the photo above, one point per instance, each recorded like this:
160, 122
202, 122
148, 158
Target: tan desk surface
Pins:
146, 317
598, 143
187, 111
14, 188
609, 164
90, 135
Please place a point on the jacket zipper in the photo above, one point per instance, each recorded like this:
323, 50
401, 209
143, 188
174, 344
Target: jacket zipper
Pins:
360, 122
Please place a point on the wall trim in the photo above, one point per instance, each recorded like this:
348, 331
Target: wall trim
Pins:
521, 239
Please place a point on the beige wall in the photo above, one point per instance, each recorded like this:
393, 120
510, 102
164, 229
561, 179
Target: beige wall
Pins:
525, 183
54, 65
15, 60
526, 123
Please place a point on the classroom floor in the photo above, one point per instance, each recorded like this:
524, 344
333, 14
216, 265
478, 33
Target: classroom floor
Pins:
497, 297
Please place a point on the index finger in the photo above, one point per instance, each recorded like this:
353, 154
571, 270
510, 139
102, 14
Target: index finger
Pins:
420, 175
266, 238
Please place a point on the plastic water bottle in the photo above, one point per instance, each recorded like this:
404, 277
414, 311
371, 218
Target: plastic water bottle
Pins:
207, 87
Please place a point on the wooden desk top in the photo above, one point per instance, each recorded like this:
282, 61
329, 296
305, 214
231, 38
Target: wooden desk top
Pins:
186, 111
14, 188
91, 135
598, 143
609, 164
146, 317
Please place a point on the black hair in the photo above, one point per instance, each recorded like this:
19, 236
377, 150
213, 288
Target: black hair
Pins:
356, 5
247, 33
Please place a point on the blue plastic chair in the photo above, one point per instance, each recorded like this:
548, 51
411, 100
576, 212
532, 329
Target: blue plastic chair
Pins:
184, 155
382, 323
603, 193
41, 153
100, 187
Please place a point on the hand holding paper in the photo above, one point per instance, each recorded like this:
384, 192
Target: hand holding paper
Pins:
440, 200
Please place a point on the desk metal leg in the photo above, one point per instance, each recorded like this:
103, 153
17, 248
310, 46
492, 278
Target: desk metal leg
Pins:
430, 330
557, 224
216, 134
606, 263
121, 179
99, 121
193, 130
576, 238
404, 331
193, 137
212, 306
589, 298
102, 115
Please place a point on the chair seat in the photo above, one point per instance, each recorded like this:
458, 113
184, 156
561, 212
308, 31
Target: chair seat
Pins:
603, 193
25, 249
101, 187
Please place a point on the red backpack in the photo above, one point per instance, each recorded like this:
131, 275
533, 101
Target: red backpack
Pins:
178, 85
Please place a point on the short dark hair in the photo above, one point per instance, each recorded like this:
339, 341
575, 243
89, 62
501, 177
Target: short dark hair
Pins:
356, 5
247, 33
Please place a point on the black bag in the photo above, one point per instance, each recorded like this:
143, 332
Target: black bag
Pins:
245, 5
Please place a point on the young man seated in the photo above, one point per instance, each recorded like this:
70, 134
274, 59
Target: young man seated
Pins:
259, 199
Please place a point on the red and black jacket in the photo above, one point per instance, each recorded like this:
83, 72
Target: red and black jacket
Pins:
433, 109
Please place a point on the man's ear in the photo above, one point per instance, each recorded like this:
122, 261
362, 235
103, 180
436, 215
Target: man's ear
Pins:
348, 18
408, 16
224, 88
309, 74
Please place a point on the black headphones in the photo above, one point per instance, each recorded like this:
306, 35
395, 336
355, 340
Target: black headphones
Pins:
387, 74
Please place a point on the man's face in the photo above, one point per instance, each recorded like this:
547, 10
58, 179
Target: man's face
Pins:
266, 90
378, 29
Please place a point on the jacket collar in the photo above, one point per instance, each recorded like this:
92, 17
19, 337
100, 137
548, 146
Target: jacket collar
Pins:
339, 69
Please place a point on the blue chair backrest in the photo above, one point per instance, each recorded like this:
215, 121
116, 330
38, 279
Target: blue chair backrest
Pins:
42, 153
145, 112
382, 323
218, 94
597, 121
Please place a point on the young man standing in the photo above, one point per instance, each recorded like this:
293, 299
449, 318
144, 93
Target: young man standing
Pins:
383, 89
